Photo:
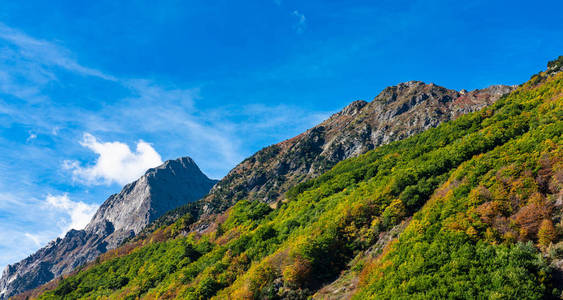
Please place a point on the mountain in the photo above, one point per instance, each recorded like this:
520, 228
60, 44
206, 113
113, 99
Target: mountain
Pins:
469, 209
396, 113
120, 217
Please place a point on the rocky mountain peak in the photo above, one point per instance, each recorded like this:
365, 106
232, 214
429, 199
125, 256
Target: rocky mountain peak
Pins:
410, 84
184, 164
121, 216
555, 66
353, 108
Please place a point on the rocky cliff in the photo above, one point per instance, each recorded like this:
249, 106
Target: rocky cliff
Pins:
121, 216
397, 112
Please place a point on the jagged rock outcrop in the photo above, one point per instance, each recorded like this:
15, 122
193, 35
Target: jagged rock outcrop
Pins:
121, 216
397, 112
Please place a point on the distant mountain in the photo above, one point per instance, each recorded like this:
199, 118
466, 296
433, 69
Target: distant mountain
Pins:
121, 216
396, 113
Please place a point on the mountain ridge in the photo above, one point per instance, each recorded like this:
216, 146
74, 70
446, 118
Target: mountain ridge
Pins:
397, 112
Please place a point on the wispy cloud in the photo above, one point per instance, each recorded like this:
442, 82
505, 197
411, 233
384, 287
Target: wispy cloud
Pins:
35, 238
31, 136
29, 64
115, 162
301, 21
47, 53
148, 106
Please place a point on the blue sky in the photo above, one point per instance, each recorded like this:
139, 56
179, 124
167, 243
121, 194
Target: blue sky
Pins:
94, 92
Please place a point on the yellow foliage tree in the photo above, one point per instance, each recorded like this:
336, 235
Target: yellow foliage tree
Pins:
546, 233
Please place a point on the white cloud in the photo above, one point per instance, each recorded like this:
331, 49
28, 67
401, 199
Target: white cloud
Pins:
115, 162
169, 113
79, 213
16, 245
31, 136
301, 21
28, 223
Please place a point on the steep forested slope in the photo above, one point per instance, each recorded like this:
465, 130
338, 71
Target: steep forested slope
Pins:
485, 192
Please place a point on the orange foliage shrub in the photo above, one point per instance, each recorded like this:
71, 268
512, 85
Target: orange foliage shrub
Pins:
488, 211
298, 272
529, 218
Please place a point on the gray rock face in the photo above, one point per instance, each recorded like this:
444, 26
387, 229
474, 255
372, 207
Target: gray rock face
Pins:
121, 216
396, 113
